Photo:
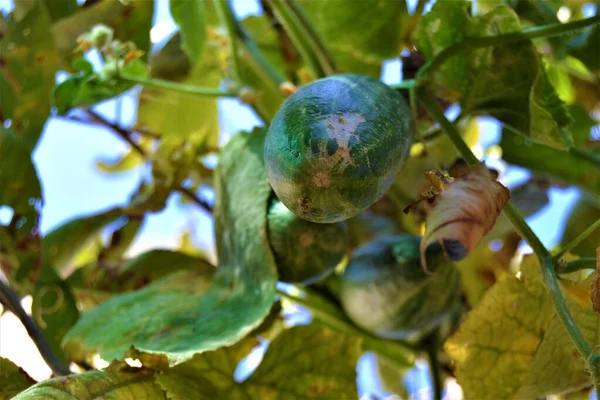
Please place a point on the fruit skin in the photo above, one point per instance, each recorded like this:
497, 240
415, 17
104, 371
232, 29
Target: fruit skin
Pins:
305, 252
336, 145
385, 291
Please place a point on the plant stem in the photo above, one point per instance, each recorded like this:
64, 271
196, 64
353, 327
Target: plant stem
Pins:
330, 315
508, 38
547, 263
455, 137
434, 368
405, 84
315, 58
577, 240
10, 301
228, 20
178, 87
576, 265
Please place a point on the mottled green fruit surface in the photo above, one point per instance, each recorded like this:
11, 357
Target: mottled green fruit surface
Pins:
305, 252
335, 146
385, 291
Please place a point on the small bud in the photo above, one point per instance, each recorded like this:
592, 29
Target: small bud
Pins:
101, 36
288, 88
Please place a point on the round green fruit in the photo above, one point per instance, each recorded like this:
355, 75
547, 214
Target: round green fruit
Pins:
305, 252
335, 146
385, 291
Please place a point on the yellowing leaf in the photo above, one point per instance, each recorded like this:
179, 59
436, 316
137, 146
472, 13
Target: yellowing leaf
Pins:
97, 385
464, 213
512, 345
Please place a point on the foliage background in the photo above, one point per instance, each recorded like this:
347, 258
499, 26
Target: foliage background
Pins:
73, 185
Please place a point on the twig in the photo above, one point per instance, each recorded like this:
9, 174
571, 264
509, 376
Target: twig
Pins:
190, 195
178, 87
577, 240
122, 133
576, 265
434, 366
10, 301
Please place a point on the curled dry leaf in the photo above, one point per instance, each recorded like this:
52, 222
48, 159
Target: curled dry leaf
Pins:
462, 214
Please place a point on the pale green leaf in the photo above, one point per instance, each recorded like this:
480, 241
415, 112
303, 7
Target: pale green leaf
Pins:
303, 362
189, 15
29, 65
96, 385
508, 82
124, 163
62, 244
363, 50
131, 21
13, 379
178, 116
239, 298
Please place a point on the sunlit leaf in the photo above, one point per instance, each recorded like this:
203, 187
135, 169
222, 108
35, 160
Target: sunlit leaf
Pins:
359, 50
189, 15
323, 366
239, 298
513, 345
13, 379
585, 48
62, 244
29, 64
96, 385
507, 82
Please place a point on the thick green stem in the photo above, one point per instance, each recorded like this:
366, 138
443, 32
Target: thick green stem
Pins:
576, 265
331, 316
228, 20
508, 38
178, 87
577, 240
434, 369
547, 263
406, 84
311, 53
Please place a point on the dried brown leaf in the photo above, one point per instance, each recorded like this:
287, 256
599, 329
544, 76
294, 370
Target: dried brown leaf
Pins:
464, 213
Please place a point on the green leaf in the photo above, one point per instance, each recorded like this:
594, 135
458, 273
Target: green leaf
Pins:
239, 298
303, 362
180, 116
62, 244
131, 21
583, 213
86, 87
155, 264
96, 385
508, 82
359, 50
513, 345
124, 163
13, 379
29, 65
549, 162
19, 185
582, 125
391, 376
585, 48
53, 308
189, 15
